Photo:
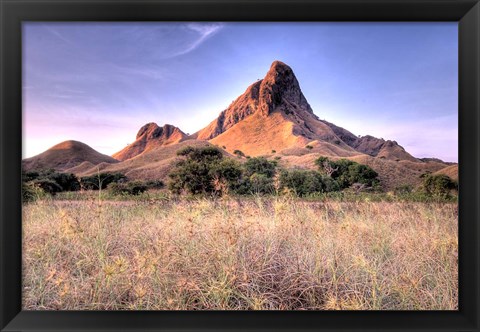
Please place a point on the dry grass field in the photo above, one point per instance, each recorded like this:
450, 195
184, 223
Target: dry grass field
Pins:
250, 254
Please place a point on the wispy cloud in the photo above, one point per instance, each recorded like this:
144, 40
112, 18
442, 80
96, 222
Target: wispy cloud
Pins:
57, 34
204, 31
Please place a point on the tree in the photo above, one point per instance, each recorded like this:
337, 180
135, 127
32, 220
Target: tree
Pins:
192, 176
30, 175
327, 166
204, 171
261, 184
260, 165
438, 185
68, 181
227, 176
259, 174
305, 182
347, 172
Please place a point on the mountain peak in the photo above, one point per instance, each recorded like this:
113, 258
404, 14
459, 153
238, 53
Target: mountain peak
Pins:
147, 129
279, 91
279, 67
152, 131
149, 136
70, 144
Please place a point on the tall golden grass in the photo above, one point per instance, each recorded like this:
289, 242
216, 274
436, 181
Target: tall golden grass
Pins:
264, 253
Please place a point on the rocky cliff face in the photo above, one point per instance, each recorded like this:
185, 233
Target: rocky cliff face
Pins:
281, 90
150, 136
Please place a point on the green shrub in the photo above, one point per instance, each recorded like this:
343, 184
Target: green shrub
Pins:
239, 153
226, 176
358, 173
306, 182
258, 177
227, 169
155, 184
129, 188
32, 192
30, 176
261, 184
403, 190
208, 153
260, 165
47, 185
191, 176
439, 185
68, 181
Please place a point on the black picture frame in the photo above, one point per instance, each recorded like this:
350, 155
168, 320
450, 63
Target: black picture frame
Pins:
14, 12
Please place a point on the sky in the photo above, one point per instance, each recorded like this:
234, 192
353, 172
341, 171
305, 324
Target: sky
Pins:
98, 83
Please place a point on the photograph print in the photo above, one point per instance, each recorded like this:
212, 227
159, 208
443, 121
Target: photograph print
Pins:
239, 166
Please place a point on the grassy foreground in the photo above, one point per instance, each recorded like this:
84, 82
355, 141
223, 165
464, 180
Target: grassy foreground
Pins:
265, 253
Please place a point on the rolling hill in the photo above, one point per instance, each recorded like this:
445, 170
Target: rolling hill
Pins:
66, 155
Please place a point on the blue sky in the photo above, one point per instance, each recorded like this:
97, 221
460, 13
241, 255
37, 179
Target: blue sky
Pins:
100, 82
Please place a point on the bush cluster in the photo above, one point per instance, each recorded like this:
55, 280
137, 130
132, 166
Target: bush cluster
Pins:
259, 176
39, 184
205, 171
127, 188
47, 181
306, 182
